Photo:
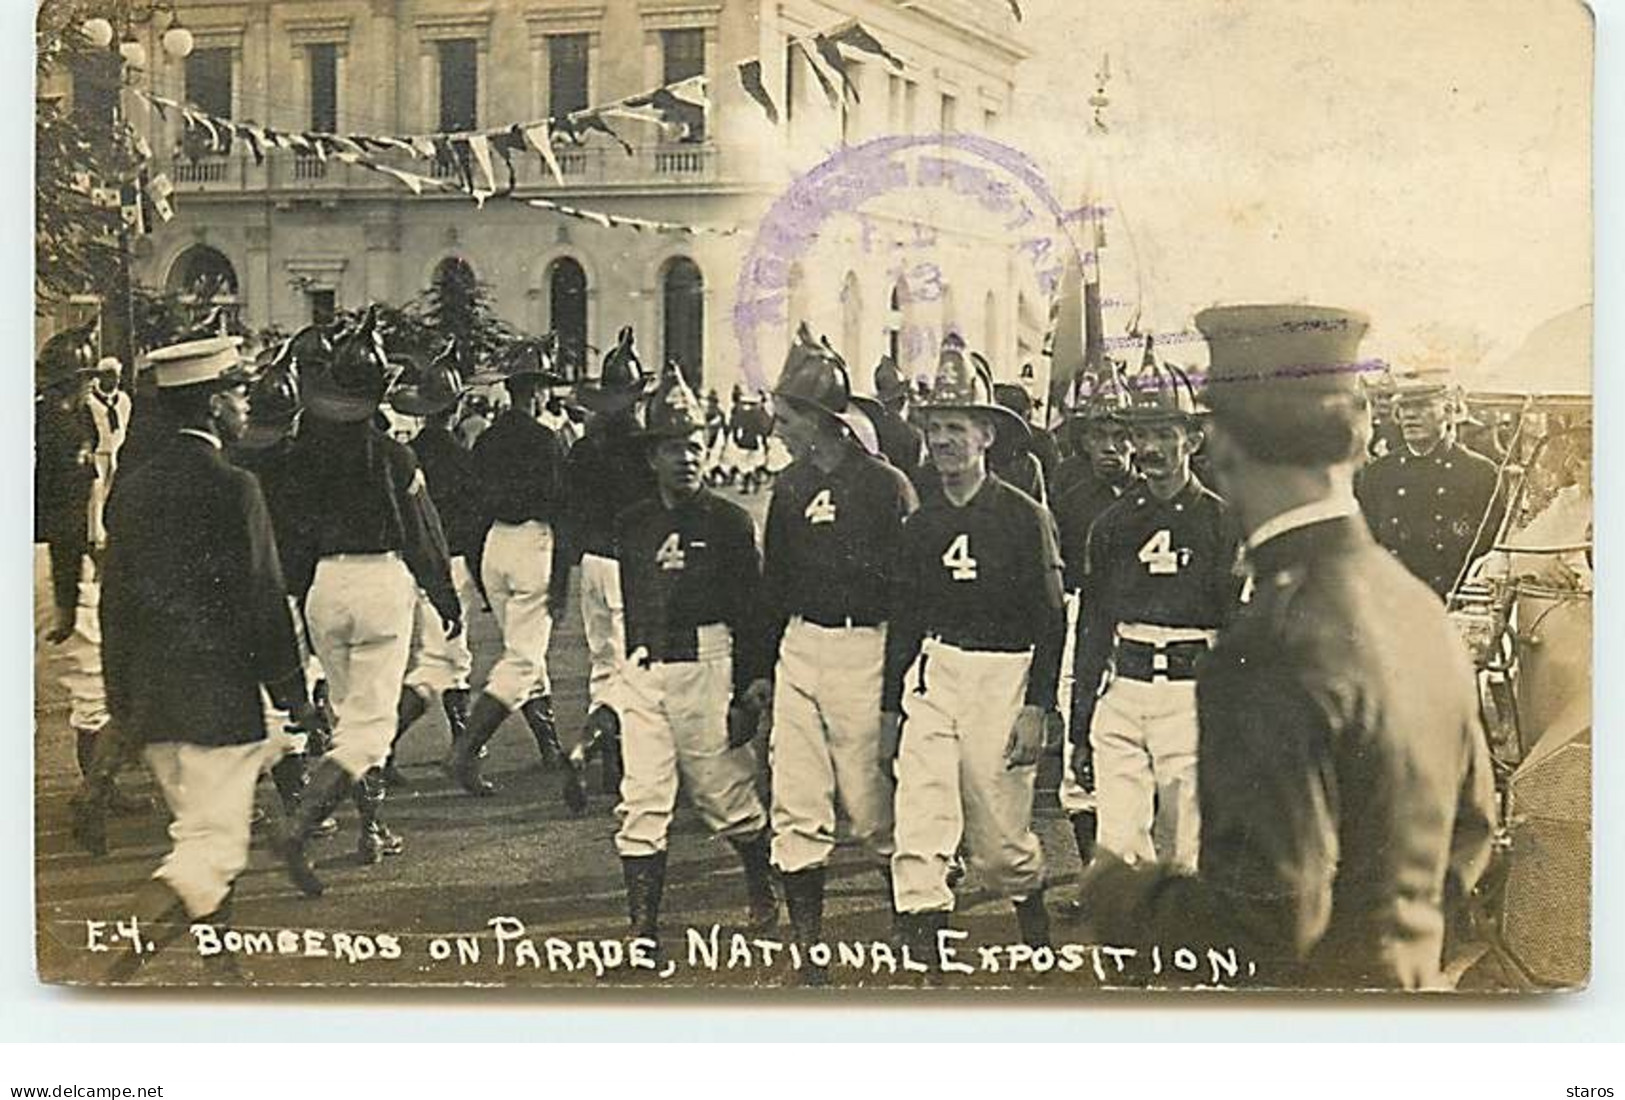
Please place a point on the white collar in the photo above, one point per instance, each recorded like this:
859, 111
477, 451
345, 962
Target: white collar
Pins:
212, 439
1316, 511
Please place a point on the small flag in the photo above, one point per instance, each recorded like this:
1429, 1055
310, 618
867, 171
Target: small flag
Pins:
831, 53
857, 37
750, 78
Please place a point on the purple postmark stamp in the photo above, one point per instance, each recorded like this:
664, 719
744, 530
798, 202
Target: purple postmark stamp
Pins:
1000, 185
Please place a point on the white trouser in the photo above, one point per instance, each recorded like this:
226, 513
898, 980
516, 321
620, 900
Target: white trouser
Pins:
675, 722
959, 708
82, 675
360, 615
826, 743
439, 663
106, 463
1144, 740
516, 568
604, 616
210, 793
87, 695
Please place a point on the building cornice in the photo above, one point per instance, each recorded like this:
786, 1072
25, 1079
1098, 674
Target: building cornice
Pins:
316, 30
437, 26
1007, 48
568, 19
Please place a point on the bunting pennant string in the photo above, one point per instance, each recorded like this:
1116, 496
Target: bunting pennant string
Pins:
465, 162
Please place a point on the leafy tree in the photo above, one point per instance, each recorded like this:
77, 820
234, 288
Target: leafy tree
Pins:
78, 164
458, 305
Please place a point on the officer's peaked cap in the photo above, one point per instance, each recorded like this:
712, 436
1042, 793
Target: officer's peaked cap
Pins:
1290, 351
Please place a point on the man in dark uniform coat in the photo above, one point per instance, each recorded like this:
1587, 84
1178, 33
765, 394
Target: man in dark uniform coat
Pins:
1347, 802
691, 575
607, 473
833, 532
901, 442
195, 620
519, 464
1431, 502
1106, 474
973, 655
366, 539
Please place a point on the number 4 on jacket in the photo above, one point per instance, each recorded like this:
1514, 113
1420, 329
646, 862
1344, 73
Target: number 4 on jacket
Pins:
961, 566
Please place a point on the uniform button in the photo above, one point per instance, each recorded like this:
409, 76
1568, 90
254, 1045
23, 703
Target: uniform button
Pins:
1438, 546
1447, 465
1441, 490
1401, 490
1179, 507
1437, 518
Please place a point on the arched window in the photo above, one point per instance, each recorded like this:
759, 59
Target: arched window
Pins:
851, 348
683, 314
567, 310
201, 278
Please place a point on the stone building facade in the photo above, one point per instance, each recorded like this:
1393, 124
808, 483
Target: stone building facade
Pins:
293, 238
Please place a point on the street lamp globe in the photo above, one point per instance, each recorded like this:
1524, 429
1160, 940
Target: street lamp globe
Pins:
133, 52
99, 32
178, 42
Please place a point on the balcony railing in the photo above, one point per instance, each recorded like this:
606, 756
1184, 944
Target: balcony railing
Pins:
587, 166
206, 170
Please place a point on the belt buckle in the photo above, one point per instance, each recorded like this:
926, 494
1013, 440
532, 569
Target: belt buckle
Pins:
1159, 664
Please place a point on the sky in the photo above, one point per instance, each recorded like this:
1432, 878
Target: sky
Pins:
1425, 163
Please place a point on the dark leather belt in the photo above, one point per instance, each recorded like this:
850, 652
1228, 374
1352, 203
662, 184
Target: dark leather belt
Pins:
1153, 664
840, 622
981, 645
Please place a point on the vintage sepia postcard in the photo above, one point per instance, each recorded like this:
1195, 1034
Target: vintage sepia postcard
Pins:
934, 495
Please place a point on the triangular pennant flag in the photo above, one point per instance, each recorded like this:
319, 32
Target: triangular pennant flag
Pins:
823, 81
750, 79
479, 147
247, 133
425, 147
410, 179
831, 53
541, 139
684, 115
855, 36
505, 143
577, 126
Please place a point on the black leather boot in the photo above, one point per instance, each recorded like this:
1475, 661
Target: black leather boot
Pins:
538, 714
645, 883
84, 750
464, 764
328, 785
408, 709
601, 737
1085, 825
290, 776
804, 898
455, 703
919, 934
319, 741
755, 855
101, 755
377, 840
1032, 916
162, 919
